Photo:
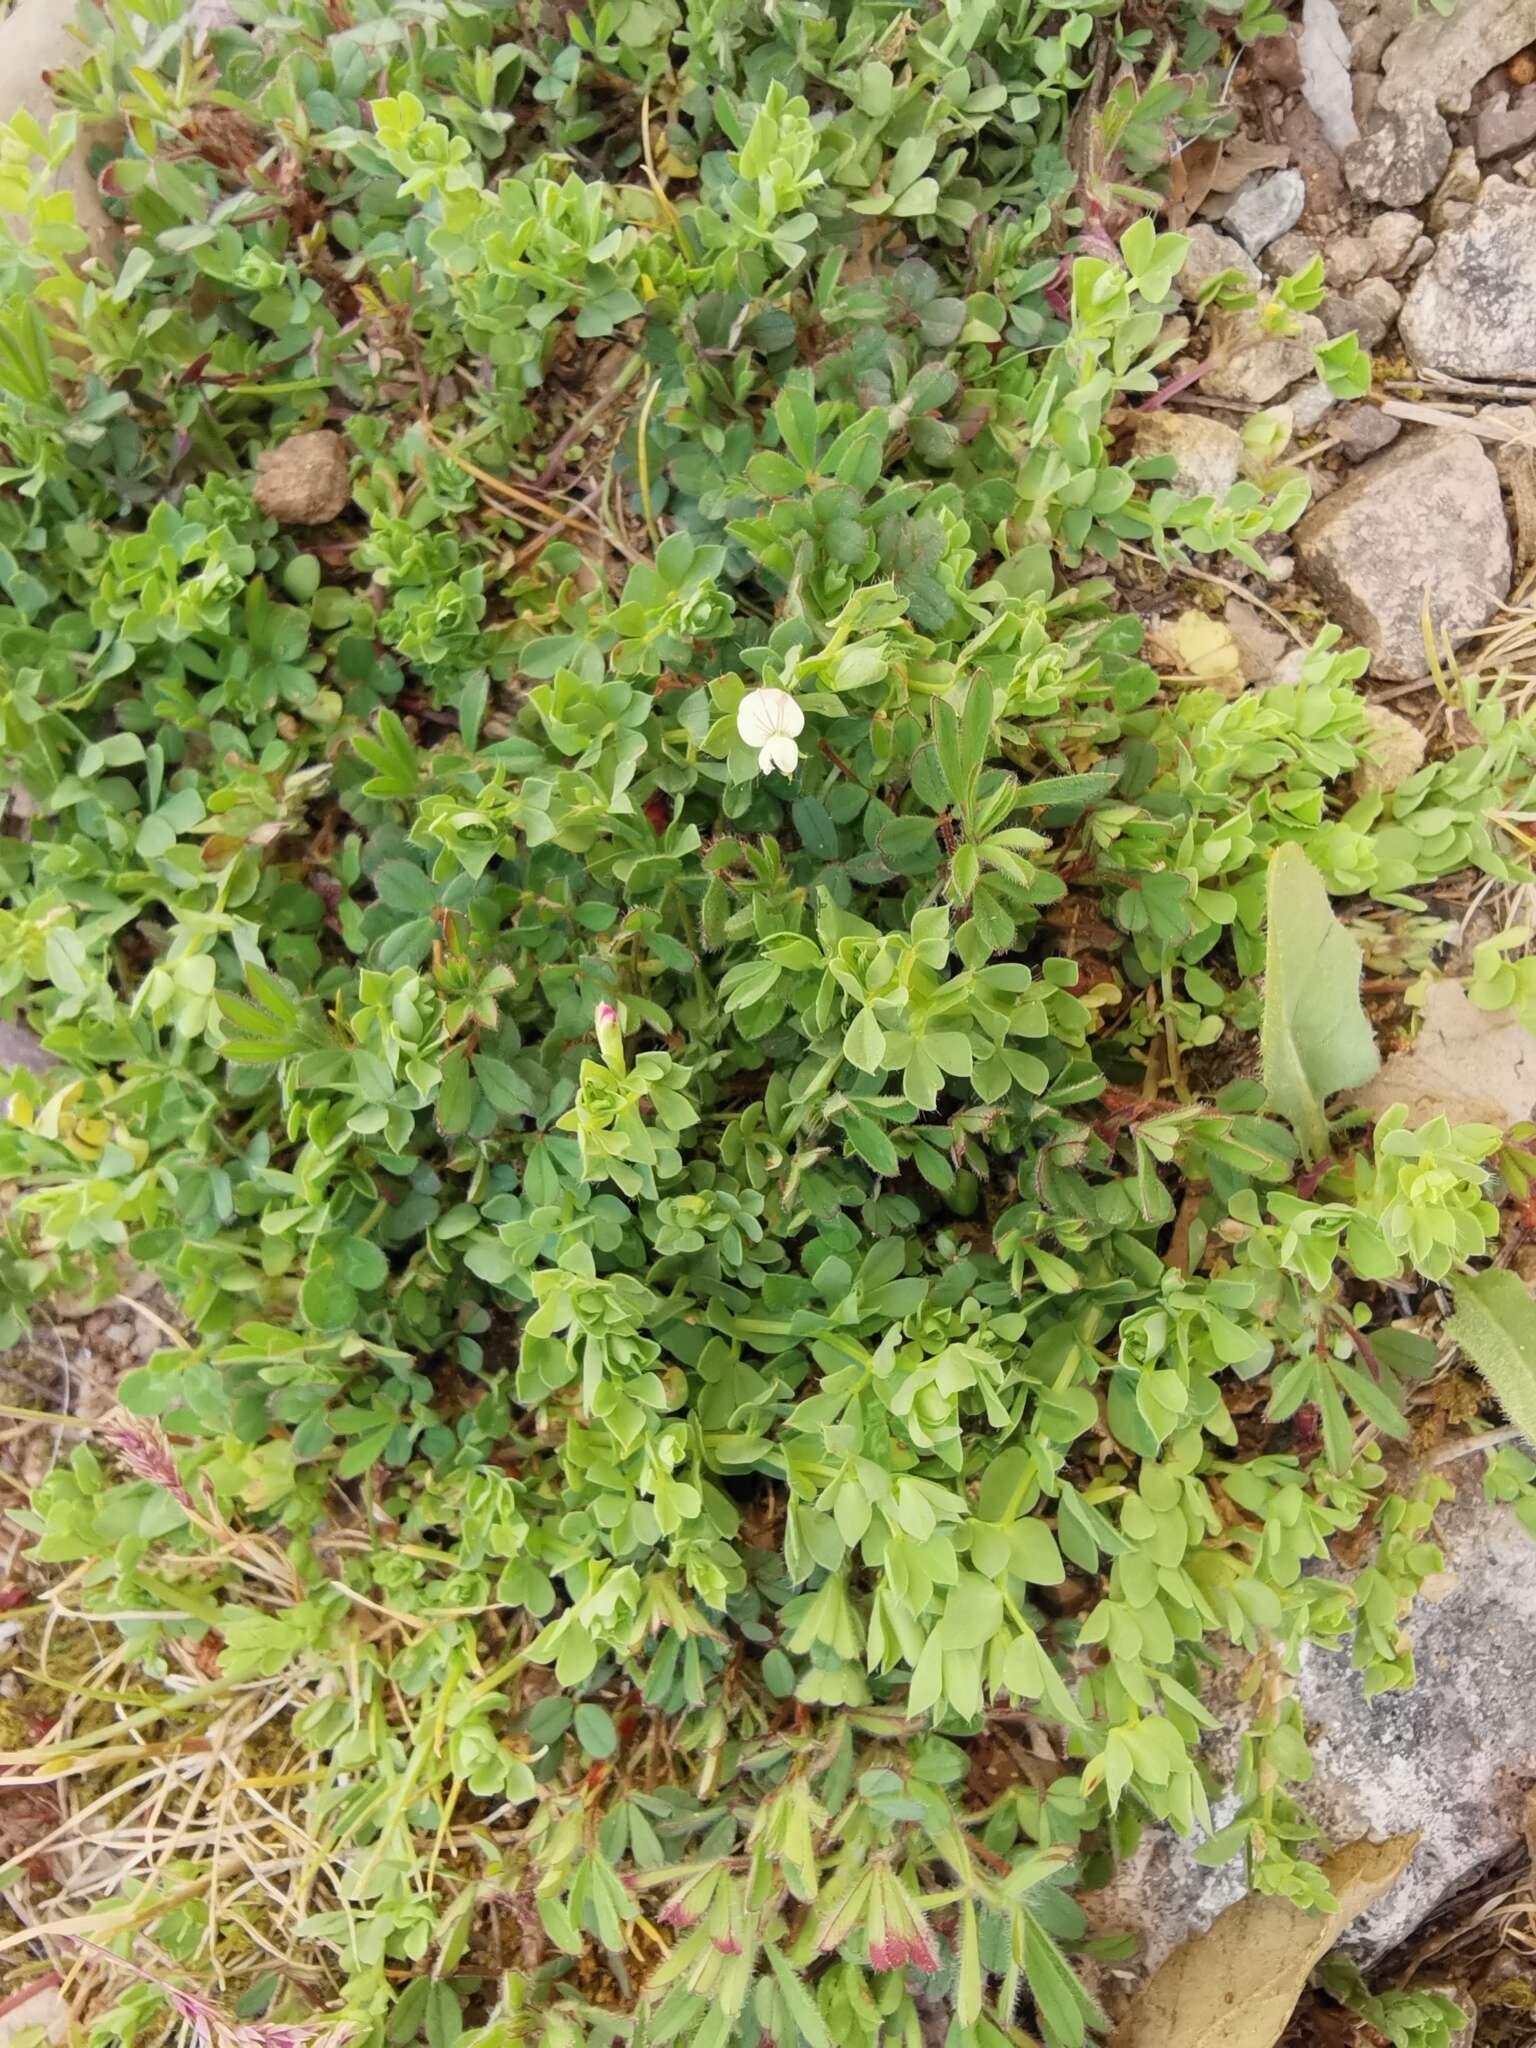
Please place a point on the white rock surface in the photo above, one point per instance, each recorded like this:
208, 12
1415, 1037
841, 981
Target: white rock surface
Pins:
1472, 310
1265, 209
1424, 518
1403, 157
1324, 50
1441, 57
1209, 455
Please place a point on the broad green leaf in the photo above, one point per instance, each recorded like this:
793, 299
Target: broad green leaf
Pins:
864, 1043
1316, 1037
1495, 1324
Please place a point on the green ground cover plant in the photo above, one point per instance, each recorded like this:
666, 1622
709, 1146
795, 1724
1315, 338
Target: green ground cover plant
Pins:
730, 1091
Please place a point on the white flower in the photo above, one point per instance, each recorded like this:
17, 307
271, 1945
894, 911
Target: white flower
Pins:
769, 721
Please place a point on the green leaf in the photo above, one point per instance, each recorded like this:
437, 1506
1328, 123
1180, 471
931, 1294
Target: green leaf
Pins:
595, 1730
1495, 1324
802, 2010
1316, 1036
864, 1044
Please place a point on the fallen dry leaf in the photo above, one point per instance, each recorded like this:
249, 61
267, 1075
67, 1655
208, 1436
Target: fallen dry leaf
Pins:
1240, 158
1189, 180
1472, 1065
1236, 1985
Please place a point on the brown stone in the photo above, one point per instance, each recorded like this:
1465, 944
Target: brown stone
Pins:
305, 480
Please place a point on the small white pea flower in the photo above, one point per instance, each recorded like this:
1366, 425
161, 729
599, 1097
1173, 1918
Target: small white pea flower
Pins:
769, 720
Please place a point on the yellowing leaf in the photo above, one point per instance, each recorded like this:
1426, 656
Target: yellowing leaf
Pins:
1206, 649
1236, 1985
1316, 1036
1495, 1324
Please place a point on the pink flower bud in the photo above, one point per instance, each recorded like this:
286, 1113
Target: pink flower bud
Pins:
610, 1036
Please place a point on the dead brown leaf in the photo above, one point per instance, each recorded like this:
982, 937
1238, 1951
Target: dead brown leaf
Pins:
1240, 158
1472, 1065
1189, 180
1236, 1985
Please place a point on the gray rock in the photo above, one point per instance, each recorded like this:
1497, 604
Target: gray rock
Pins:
1425, 518
1291, 253
1266, 208
1209, 255
1366, 312
1349, 258
1363, 431
1254, 366
1505, 124
1440, 58
1391, 239
1369, 38
1456, 192
1310, 405
1451, 1757
1209, 455
1325, 61
19, 1048
1381, 302
1473, 309
1403, 158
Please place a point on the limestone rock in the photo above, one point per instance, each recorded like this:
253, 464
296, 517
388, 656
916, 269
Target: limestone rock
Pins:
1505, 124
1391, 239
1395, 746
1310, 405
305, 480
1473, 309
1363, 431
1265, 209
1381, 301
1440, 57
1293, 252
1209, 255
1451, 1757
1253, 365
1348, 259
1209, 455
1403, 158
1324, 49
1369, 311
1426, 517
37, 37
